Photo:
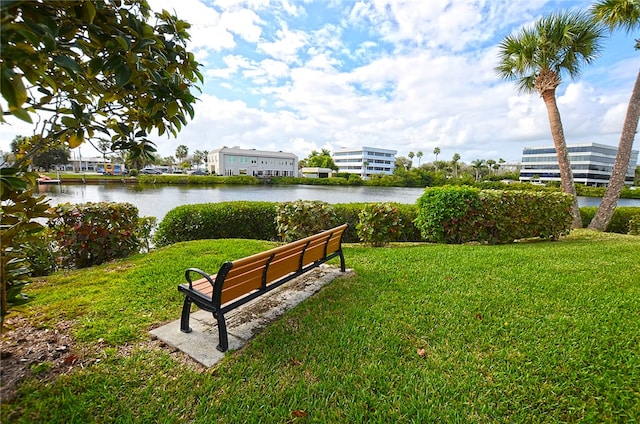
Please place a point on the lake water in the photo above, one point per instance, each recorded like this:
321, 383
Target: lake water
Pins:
157, 201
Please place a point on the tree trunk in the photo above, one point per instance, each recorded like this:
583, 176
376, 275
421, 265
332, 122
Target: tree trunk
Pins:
607, 207
566, 176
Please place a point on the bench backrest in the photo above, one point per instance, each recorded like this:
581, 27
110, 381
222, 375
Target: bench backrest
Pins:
245, 275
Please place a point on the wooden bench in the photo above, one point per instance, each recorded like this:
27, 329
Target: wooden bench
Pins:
243, 280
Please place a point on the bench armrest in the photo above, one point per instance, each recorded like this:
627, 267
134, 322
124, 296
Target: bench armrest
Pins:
187, 276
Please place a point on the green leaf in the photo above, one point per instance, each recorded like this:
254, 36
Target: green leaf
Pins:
69, 122
172, 109
12, 89
123, 75
67, 63
124, 43
88, 11
95, 66
21, 114
145, 43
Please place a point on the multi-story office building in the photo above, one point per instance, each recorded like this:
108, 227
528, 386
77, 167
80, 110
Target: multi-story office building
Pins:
257, 163
365, 161
591, 163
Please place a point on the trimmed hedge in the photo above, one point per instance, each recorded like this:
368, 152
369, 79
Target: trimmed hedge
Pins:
349, 213
453, 214
257, 220
634, 225
619, 222
506, 216
251, 220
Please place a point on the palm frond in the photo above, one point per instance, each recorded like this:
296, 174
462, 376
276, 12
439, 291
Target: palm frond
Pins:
624, 14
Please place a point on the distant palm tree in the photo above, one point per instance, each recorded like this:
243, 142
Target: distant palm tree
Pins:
419, 156
537, 57
182, 152
411, 155
436, 152
490, 164
454, 163
623, 14
478, 165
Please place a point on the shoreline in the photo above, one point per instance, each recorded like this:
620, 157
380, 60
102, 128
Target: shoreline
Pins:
197, 180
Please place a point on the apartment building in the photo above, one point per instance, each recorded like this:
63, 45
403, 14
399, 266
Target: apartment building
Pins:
230, 161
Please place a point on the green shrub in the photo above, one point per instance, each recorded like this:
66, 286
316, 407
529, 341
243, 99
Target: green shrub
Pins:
133, 172
511, 215
347, 213
251, 220
408, 231
92, 233
620, 221
303, 218
40, 253
448, 214
462, 214
378, 224
589, 191
634, 225
627, 193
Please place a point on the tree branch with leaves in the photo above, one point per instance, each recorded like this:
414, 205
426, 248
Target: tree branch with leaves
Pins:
78, 70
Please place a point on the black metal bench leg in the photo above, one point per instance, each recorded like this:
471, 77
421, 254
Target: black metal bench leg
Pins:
222, 332
184, 319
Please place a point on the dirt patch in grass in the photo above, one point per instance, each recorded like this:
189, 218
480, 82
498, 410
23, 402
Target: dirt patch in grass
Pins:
27, 351
45, 353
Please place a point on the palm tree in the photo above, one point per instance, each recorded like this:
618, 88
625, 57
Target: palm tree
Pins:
419, 156
182, 152
454, 162
436, 151
536, 59
103, 145
490, 164
623, 14
478, 165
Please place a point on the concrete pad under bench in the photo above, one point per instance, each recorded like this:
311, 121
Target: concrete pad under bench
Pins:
245, 321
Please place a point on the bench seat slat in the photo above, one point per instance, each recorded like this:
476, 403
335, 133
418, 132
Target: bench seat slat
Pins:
241, 283
203, 286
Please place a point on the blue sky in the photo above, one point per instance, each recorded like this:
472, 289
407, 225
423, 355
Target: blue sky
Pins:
410, 75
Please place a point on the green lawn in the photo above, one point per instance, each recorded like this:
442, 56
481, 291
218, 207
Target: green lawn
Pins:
528, 332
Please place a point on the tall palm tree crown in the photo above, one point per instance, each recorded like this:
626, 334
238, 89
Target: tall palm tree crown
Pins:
538, 57
559, 43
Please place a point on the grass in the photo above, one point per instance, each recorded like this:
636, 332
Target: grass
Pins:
527, 332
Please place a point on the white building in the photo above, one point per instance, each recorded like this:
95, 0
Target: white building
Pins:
365, 161
591, 164
315, 172
257, 163
79, 163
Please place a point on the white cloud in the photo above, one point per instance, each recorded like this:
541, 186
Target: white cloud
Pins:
406, 74
286, 45
244, 23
